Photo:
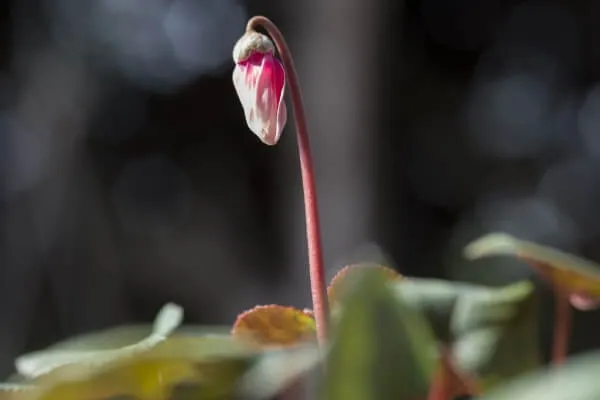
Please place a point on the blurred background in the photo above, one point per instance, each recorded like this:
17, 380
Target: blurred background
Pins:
128, 177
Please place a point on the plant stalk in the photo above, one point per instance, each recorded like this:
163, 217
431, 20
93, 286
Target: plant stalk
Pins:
562, 313
313, 233
440, 386
562, 326
448, 382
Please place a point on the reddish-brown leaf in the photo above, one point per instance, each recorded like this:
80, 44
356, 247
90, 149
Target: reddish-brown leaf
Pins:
337, 284
274, 326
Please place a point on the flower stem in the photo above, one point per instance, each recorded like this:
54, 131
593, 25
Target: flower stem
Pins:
440, 386
562, 313
448, 382
562, 326
313, 233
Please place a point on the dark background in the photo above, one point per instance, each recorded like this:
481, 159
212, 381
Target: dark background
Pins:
129, 179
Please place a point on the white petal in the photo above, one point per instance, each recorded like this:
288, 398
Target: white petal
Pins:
258, 100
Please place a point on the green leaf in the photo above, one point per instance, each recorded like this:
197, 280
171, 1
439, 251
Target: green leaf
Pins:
142, 363
492, 331
200, 348
185, 349
121, 336
277, 369
10, 391
436, 299
147, 378
207, 367
136, 361
496, 333
381, 349
42, 362
575, 380
187, 336
574, 274
343, 278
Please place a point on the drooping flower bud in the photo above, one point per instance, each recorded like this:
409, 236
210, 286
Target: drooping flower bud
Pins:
259, 80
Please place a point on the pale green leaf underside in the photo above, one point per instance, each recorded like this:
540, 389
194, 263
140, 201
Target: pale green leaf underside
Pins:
43, 362
576, 380
497, 244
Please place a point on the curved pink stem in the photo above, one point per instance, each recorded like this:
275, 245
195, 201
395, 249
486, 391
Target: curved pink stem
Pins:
313, 233
562, 326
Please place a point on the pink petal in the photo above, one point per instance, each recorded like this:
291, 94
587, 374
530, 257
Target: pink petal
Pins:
260, 85
583, 302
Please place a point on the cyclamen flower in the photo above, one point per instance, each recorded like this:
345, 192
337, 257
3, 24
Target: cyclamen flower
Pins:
259, 80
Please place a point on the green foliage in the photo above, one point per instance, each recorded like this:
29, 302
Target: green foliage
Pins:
492, 331
275, 370
386, 342
576, 380
574, 274
497, 333
156, 363
375, 331
82, 352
